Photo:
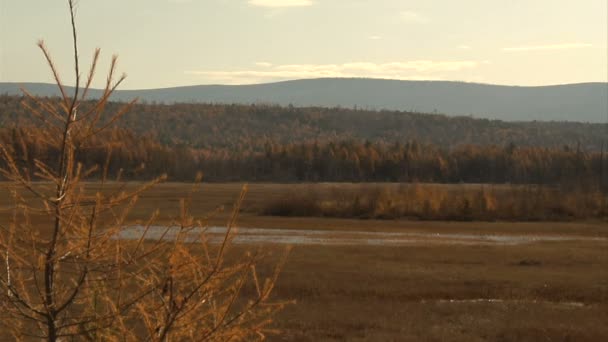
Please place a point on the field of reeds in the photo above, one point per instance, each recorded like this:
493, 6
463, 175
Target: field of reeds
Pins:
453, 202
393, 203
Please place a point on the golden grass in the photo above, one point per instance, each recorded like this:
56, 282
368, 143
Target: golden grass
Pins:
213, 196
367, 293
440, 202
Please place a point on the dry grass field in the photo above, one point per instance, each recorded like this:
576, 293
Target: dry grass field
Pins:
207, 198
544, 291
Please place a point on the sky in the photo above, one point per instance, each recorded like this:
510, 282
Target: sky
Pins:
166, 43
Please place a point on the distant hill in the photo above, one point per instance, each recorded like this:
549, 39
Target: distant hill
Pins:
251, 127
584, 102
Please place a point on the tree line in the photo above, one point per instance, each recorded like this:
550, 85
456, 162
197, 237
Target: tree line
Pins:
142, 156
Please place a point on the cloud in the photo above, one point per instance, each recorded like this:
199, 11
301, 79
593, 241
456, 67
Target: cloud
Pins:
373, 37
280, 3
413, 17
263, 64
565, 46
410, 70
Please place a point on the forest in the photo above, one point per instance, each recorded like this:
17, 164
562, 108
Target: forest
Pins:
249, 128
124, 152
287, 144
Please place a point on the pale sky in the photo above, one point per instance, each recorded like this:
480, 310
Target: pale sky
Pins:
164, 43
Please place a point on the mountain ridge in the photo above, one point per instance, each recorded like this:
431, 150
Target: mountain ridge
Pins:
579, 102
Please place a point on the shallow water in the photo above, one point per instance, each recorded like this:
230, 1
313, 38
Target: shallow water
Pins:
507, 301
324, 237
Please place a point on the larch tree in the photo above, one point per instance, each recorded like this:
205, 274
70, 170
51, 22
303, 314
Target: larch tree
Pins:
69, 274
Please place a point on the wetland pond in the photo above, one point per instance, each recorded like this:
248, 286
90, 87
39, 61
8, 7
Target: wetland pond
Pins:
244, 235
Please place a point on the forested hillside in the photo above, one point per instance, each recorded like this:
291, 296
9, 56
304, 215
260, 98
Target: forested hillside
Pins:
271, 143
249, 128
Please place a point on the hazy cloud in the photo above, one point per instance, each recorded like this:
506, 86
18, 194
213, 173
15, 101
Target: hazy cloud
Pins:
547, 47
413, 17
263, 64
463, 47
280, 3
418, 70
374, 37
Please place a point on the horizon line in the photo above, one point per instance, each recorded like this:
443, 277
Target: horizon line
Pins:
316, 78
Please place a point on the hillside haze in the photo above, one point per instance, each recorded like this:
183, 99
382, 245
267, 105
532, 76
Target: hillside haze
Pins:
583, 102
